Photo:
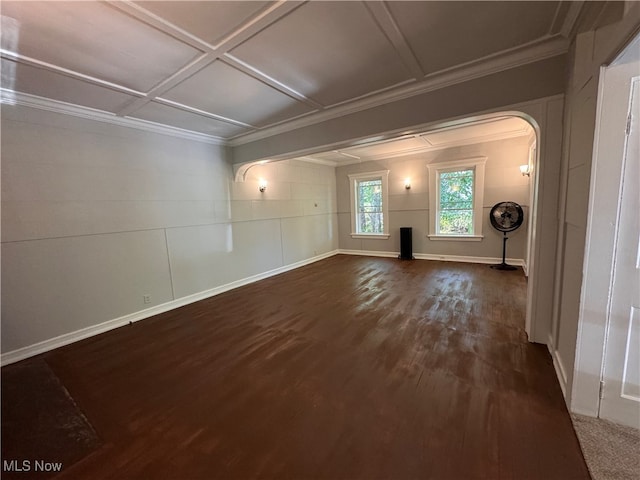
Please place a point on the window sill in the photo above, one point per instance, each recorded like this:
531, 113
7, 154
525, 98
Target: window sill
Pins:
371, 236
457, 238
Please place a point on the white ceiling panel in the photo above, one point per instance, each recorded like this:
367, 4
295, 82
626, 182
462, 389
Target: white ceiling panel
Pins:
166, 115
389, 148
328, 51
97, 40
43, 83
209, 21
479, 132
334, 156
445, 34
228, 92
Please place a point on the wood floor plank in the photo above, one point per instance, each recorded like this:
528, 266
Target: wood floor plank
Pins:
349, 368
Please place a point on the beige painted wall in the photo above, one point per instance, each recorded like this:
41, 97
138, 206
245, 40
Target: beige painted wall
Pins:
410, 208
95, 216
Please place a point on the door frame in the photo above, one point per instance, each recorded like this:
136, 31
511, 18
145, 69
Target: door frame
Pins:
612, 107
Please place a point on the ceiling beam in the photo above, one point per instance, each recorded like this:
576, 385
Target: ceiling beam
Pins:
204, 113
167, 84
568, 27
522, 55
387, 24
275, 12
272, 82
46, 104
211, 53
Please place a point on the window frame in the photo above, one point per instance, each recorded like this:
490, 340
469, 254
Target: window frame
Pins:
477, 164
354, 179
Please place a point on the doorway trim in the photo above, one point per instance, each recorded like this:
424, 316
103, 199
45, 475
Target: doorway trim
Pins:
545, 115
606, 178
534, 185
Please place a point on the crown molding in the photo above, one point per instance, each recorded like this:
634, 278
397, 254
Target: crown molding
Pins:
9, 97
516, 57
33, 62
547, 48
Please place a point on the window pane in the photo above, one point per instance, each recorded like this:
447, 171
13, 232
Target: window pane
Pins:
456, 222
369, 204
455, 215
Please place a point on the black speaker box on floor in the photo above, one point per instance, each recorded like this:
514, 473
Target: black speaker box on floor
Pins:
406, 243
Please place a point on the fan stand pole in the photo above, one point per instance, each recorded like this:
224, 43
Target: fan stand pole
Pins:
504, 265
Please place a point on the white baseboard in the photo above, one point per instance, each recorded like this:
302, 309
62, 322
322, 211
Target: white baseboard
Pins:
367, 253
561, 373
67, 338
443, 258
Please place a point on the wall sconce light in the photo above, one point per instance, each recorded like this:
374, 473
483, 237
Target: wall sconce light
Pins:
262, 185
407, 183
525, 170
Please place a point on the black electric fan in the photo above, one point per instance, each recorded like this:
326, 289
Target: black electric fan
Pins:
505, 217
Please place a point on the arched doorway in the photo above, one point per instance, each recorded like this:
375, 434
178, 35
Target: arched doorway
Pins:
529, 119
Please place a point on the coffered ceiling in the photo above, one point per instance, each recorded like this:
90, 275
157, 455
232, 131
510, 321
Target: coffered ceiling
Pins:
499, 128
234, 70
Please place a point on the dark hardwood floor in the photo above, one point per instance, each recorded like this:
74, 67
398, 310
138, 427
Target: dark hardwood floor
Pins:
349, 368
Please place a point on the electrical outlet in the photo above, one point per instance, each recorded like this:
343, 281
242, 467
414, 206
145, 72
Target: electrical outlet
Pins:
146, 298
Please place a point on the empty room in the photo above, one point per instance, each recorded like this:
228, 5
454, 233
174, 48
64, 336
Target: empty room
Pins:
332, 240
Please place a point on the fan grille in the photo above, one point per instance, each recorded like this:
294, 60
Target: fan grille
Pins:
506, 216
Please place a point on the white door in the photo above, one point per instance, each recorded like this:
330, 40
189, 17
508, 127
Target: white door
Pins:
621, 389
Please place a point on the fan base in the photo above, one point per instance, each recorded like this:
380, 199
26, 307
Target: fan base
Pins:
504, 266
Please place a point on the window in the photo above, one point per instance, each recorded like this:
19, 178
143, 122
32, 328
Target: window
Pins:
455, 215
455, 199
369, 199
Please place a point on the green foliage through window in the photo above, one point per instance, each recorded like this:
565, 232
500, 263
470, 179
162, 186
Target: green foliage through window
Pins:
369, 206
455, 213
